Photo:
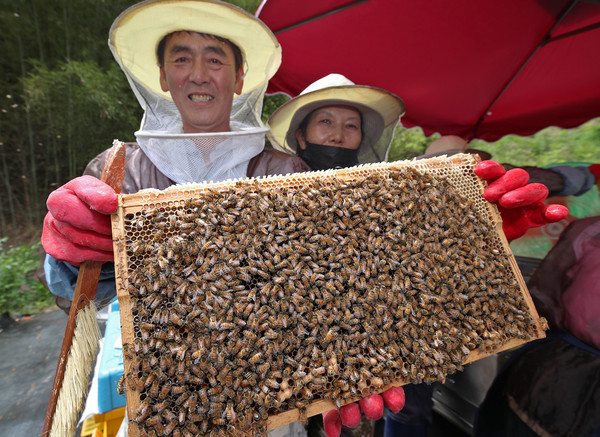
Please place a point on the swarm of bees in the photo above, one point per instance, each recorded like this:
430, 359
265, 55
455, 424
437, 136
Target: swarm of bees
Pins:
249, 301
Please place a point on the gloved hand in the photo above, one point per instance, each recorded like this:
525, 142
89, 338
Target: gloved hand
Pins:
595, 169
77, 227
520, 204
349, 415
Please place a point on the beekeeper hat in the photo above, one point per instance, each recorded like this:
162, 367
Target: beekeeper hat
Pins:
135, 34
450, 145
379, 108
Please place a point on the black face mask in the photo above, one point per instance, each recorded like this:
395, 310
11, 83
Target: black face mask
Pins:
319, 157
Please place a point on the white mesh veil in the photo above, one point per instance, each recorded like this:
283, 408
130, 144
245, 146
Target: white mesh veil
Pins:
223, 155
379, 151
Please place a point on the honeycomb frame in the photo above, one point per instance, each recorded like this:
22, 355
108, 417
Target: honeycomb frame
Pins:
457, 170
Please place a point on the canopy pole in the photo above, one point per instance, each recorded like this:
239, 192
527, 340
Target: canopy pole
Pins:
317, 17
545, 40
573, 33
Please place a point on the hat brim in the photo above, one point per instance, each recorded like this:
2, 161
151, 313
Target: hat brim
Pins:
379, 108
449, 152
135, 34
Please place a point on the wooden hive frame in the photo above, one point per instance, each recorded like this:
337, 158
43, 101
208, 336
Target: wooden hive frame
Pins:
456, 170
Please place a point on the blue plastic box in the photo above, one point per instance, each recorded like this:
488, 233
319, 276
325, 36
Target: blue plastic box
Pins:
111, 363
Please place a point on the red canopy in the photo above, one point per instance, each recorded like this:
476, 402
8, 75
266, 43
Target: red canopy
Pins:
477, 69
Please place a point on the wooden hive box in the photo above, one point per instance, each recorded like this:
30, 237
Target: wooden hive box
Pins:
247, 305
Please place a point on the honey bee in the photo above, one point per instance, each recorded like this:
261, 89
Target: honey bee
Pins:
180, 353
255, 358
330, 336
169, 429
121, 385
143, 411
203, 396
230, 413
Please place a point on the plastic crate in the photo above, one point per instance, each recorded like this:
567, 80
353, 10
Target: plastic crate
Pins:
111, 363
103, 425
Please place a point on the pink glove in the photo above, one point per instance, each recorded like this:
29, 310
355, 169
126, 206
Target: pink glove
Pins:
77, 227
332, 423
394, 399
595, 169
349, 415
520, 204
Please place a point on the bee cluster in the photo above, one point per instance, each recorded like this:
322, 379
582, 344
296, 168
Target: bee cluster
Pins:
249, 301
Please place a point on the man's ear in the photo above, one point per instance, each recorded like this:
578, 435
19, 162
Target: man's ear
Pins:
300, 138
163, 79
239, 81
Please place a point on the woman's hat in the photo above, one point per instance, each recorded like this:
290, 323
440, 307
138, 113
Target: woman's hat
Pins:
450, 145
379, 108
135, 34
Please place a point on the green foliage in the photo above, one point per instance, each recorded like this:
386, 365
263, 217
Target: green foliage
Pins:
99, 107
249, 5
20, 291
271, 103
408, 143
62, 99
549, 146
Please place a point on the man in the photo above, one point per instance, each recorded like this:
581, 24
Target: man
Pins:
560, 372
199, 69
193, 129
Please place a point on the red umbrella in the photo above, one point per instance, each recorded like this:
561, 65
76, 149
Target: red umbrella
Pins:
477, 69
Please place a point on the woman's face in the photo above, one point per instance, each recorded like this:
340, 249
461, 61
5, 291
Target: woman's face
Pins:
337, 126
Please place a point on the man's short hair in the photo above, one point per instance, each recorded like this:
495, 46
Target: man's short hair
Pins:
237, 53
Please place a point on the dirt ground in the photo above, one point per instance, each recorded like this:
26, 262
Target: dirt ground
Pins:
29, 350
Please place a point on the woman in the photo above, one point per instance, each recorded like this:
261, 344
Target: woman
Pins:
334, 123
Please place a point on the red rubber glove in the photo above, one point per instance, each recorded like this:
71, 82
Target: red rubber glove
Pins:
350, 416
332, 423
595, 169
372, 406
77, 227
394, 399
520, 204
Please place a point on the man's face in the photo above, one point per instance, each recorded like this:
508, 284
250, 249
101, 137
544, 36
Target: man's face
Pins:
337, 126
200, 74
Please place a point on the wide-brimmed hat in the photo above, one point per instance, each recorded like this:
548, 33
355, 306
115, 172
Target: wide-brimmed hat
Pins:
379, 108
451, 145
135, 34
